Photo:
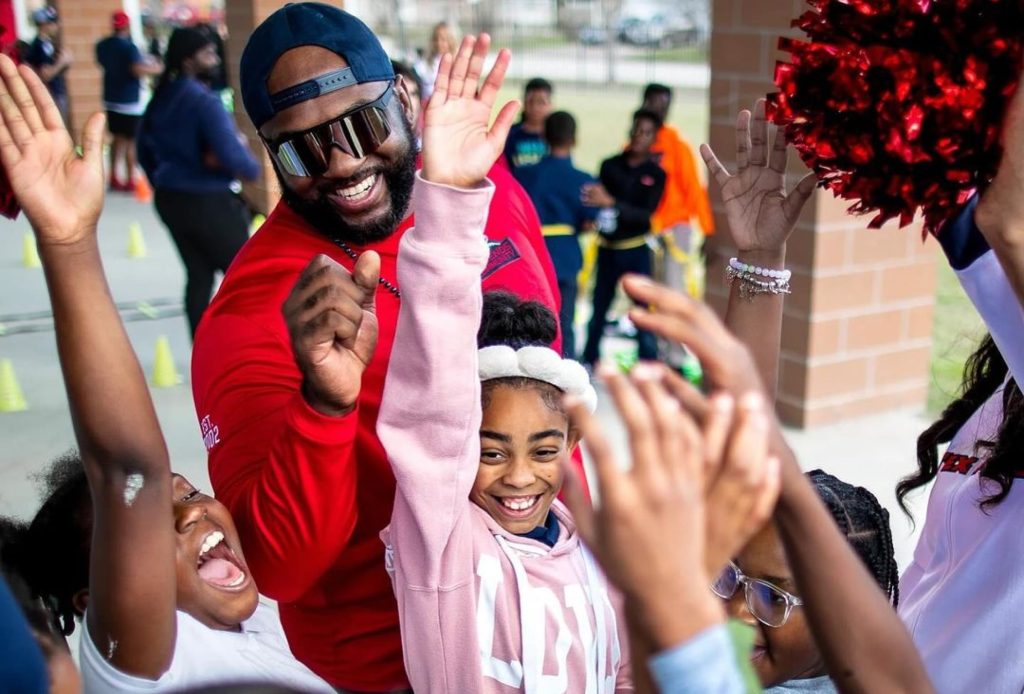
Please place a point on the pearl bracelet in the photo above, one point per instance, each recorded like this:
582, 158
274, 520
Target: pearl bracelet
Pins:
748, 269
752, 285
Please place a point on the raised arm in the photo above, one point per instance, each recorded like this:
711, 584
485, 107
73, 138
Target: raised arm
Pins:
132, 566
1000, 213
430, 412
649, 531
865, 645
761, 216
985, 282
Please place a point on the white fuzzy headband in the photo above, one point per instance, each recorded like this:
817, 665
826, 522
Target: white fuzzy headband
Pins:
540, 364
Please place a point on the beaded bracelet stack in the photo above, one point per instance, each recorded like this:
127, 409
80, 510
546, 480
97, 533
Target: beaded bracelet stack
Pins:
755, 280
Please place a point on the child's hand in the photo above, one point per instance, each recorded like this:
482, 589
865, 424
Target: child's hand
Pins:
458, 147
741, 479
331, 317
596, 195
761, 214
648, 531
60, 192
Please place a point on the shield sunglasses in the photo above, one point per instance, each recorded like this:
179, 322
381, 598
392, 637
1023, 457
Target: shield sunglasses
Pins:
357, 133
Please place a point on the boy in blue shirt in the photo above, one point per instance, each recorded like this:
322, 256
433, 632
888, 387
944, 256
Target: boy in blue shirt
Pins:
556, 187
525, 144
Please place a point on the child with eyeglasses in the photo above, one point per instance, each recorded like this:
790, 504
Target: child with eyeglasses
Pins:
759, 589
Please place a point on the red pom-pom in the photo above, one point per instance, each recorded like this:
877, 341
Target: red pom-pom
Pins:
898, 104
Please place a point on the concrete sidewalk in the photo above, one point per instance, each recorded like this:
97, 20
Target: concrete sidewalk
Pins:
873, 452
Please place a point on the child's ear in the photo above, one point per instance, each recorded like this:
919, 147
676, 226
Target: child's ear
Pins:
80, 601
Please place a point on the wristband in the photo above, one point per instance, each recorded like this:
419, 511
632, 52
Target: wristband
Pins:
748, 269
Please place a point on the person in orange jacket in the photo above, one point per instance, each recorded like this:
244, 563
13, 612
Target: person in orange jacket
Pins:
684, 203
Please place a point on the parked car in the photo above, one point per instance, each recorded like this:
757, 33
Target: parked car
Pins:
593, 36
659, 31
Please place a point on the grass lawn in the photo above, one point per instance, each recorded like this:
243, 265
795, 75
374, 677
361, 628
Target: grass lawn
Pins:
681, 54
603, 114
955, 334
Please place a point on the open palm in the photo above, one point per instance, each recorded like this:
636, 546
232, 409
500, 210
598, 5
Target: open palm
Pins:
60, 192
761, 214
459, 143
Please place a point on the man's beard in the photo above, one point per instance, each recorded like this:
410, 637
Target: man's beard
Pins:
399, 177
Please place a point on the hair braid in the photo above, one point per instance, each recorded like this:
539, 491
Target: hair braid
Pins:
865, 524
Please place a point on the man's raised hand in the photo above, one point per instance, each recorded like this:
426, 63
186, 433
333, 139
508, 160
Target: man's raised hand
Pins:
332, 320
459, 143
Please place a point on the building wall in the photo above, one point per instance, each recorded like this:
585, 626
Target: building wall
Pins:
857, 328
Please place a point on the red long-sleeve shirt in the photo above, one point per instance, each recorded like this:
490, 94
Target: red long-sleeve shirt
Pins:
310, 493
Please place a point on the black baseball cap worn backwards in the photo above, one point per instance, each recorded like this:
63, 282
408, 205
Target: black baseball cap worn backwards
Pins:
308, 24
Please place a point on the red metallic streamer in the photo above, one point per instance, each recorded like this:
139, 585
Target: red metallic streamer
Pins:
897, 104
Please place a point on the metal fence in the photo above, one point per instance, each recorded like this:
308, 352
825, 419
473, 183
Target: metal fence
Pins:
595, 42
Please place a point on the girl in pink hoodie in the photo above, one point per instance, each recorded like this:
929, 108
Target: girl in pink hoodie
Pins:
495, 591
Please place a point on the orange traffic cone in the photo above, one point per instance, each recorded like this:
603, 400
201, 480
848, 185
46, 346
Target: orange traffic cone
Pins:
143, 193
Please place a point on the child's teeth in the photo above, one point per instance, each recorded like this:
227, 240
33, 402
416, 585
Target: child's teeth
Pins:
519, 504
211, 541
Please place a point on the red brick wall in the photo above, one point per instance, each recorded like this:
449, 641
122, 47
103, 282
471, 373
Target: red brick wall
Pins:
857, 329
83, 23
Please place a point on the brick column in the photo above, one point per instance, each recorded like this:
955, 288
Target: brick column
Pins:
83, 23
241, 17
857, 328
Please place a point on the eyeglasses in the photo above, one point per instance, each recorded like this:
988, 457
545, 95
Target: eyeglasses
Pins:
358, 133
769, 604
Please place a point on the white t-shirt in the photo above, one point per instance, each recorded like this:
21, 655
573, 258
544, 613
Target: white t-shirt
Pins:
205, 656
962, 596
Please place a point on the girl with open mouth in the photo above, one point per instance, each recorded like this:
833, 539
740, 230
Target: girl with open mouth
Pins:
170, 603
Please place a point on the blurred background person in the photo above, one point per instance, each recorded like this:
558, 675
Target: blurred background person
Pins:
630, 190
442, 40
49, 60
525, 145
124, 67
193, 153
555, 186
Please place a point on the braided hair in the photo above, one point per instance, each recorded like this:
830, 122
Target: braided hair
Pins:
865, 524
508, 320
984, 372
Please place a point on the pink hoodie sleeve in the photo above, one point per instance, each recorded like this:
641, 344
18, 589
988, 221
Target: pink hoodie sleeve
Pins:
430, 413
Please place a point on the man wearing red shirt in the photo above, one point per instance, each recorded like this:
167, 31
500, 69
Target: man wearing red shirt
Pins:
293, 456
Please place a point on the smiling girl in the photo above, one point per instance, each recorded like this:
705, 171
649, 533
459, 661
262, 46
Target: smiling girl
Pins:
495, 590
170, 601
